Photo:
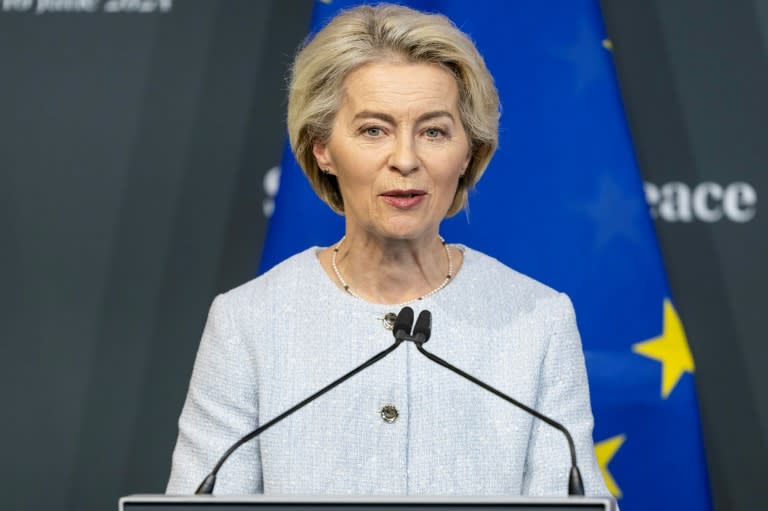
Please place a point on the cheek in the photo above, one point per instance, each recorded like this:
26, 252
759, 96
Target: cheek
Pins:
448, 187
357, 187
452, 168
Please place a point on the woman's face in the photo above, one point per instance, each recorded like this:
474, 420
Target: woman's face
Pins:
397, 148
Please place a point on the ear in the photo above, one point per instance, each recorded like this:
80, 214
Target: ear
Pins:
323, 157
467, 161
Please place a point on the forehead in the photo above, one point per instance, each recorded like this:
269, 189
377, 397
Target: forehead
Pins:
400, 87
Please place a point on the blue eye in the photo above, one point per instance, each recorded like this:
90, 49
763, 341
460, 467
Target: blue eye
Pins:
433, 132
373, 131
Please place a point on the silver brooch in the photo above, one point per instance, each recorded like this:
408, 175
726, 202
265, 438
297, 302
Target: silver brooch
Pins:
389, 320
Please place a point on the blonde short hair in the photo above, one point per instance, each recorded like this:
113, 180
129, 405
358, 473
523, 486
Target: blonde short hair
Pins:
366, 34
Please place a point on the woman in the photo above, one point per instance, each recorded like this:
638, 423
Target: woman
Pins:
393, 116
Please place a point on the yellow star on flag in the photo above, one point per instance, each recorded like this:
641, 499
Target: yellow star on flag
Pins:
670, 349
604, 451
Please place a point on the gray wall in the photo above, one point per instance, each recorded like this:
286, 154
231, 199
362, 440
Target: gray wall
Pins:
133, 148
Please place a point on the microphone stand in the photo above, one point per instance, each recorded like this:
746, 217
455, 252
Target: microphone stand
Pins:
421, 333
575, 484
402, 332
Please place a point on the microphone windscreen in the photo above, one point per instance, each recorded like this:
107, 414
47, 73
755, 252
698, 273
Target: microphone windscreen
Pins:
403, 323
423, 328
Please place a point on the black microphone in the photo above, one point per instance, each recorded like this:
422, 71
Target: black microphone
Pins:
421, 333
401, 331
423, 328
403, 323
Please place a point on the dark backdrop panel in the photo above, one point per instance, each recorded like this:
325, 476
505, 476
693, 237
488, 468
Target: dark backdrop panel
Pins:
132, 149
694, 79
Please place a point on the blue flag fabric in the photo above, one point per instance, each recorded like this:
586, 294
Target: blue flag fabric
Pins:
563, 202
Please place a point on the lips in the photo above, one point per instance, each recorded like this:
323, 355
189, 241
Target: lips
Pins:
403, 199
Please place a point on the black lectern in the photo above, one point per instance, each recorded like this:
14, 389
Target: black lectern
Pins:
327, 503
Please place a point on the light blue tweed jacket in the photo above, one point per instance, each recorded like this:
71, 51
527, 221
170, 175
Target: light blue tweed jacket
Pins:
272, 342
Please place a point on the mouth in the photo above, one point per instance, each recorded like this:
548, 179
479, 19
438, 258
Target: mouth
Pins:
403, 199
406, 194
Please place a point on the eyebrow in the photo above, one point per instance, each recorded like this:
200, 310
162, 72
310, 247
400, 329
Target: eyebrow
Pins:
367, 114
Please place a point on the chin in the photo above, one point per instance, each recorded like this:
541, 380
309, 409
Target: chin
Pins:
403, 233
403, 227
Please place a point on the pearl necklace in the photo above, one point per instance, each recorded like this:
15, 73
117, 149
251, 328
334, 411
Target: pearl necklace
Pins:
349, 289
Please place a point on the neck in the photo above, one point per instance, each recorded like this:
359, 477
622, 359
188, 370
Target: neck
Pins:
392, 271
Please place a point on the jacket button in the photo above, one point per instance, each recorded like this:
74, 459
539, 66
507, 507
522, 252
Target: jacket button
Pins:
389, 413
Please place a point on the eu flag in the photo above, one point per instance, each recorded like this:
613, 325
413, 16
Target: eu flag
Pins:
563, 202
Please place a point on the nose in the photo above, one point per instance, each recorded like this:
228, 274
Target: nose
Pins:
403, 158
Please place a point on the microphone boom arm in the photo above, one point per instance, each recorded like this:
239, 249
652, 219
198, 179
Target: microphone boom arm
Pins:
575, 484
206, 487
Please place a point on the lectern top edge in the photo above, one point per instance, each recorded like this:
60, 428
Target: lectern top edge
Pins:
360, 503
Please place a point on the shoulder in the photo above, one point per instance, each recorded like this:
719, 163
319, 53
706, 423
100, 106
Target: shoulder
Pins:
284, 280
507, 285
